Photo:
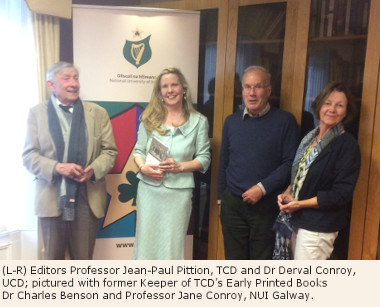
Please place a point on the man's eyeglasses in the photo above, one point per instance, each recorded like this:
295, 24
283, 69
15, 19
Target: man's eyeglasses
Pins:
257, 87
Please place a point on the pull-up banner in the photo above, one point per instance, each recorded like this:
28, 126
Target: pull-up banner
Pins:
119, 51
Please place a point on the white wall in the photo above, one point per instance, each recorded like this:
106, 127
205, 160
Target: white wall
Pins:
19, 245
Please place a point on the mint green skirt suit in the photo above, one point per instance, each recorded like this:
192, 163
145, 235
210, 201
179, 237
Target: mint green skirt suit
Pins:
164, 206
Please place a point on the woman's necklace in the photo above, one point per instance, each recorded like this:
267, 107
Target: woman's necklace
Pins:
175, 120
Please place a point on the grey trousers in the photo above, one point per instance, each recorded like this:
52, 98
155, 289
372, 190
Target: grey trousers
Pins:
77, 236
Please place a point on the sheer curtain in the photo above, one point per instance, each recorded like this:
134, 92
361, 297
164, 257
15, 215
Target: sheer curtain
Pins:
30, 44
46, 37
19, 92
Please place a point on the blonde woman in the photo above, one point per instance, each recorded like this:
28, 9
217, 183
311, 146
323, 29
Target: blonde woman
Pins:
165, 189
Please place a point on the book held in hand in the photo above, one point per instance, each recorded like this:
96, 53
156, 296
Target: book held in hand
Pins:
157, 152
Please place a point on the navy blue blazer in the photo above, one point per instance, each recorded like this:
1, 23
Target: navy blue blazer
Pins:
332, 178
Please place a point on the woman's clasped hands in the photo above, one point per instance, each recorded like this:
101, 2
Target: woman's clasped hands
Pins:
286, 203
157, 171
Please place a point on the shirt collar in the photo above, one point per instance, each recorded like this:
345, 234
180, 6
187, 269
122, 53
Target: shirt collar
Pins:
56, 100
262, 113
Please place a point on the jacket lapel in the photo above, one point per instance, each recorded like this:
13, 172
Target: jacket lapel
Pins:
324, 153
90, 124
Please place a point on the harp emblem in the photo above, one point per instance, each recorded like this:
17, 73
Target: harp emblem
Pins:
137, 52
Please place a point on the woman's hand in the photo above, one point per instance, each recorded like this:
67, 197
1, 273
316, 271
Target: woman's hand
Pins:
170, 165
286, 202
152, 171
284, 198
290, 207
295, 205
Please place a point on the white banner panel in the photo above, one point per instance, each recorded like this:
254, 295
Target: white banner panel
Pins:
104, 36
119, 51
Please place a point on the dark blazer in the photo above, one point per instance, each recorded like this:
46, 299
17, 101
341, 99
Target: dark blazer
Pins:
332, 178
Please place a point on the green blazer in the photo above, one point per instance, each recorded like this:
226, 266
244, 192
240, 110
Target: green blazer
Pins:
39, 157
189, 141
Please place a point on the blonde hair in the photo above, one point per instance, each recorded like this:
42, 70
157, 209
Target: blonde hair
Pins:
155, 113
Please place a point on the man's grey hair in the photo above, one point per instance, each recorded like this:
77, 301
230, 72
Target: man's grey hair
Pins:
260, 68
56, 68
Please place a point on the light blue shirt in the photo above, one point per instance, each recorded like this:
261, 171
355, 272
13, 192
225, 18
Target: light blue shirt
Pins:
187, 142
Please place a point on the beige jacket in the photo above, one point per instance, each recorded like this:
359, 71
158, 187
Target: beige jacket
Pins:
40, 158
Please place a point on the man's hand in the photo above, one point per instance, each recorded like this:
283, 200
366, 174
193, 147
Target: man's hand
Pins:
253, 195
87, 174
70, 170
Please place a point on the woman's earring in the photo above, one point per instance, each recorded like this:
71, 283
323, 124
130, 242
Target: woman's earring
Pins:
184, 96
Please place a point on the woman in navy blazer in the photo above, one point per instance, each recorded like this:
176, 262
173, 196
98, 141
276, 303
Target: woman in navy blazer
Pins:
324, 175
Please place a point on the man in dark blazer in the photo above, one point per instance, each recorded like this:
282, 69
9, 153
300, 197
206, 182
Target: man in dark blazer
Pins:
70, 148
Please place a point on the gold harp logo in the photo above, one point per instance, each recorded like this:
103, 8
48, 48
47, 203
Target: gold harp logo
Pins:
137, 50
137, 53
